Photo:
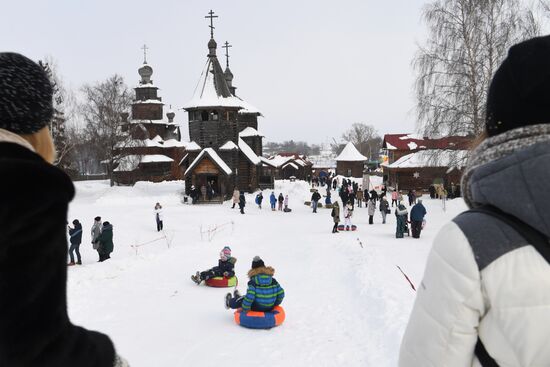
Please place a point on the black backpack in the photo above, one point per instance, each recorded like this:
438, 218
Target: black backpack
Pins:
534, 237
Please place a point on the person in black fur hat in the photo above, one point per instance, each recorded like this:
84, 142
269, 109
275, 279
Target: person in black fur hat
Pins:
35, 329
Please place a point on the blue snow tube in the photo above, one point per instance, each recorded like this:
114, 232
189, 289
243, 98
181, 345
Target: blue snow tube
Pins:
260, 320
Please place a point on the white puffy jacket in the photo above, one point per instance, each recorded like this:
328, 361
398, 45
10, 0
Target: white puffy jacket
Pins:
483, 279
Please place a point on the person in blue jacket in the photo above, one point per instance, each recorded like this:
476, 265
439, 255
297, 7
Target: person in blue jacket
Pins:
263, 293
417, 217
273, 201
76, 239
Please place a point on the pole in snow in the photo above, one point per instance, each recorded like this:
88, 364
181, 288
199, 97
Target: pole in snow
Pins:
406, 277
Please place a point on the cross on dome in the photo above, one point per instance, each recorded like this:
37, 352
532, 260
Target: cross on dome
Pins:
145, 48
227, 46
211, 16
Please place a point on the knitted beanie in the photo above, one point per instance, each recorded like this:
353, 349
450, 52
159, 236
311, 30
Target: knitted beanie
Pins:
26, 95
519, 94
257, 262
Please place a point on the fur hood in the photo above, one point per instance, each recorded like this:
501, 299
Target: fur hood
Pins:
267, 270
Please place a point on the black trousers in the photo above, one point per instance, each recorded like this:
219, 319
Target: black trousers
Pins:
416, 227
103, 257
335, 228
371, 219
159, 225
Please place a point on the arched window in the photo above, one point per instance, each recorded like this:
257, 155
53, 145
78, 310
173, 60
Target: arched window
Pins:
204, 116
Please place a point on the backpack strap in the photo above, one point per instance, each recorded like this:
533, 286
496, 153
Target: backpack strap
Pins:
534, 237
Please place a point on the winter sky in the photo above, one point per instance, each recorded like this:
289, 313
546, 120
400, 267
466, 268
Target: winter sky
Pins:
313, 67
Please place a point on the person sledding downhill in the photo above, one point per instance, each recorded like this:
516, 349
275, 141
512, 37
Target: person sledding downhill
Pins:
263, 293
225, 268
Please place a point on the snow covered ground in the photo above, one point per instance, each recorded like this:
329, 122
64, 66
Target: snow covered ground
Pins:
345, 304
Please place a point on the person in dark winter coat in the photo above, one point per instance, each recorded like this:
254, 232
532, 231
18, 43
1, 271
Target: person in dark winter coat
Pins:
105, 240
242, 202
417, 218
259, 199
328, 199
485, 294
374, 195
35, 329
263, 293
335, 214
431, 189
272, 201
225, 268
281, 200
195, 194
384, 208
412, 197
401, 214
159, 217
75, 235
315, 200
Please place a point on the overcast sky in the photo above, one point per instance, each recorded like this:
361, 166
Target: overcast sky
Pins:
313, 67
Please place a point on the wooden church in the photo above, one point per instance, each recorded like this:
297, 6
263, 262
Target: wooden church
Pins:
154, 148
223, 129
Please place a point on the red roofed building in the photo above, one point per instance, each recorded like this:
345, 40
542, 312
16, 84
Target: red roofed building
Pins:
415, 163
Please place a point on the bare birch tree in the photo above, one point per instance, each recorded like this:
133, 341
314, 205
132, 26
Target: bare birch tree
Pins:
467, 41
364, 137
105, 102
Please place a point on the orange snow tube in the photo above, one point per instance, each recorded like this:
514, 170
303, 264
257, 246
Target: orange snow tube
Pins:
260, 320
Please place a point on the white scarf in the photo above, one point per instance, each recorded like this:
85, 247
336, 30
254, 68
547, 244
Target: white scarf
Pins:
9, 137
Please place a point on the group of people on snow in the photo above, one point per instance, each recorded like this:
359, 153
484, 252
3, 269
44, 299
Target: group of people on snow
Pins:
101, 236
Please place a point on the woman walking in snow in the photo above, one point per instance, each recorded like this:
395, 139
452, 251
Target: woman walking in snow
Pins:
159, 217
96, 231
286, 204
105, 240
335, 214
485, 295
35, 329
371, 207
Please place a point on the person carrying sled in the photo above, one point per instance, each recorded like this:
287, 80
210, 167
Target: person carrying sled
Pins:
35, 328
225, 268
401, 214
315, 200
263, 293
485, 294
335, 214
75, 234
158, 216
348, 214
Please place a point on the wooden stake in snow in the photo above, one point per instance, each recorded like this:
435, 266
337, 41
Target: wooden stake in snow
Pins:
361, 243
406, 277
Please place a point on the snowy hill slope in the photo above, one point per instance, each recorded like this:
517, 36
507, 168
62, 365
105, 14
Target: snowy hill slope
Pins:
345, 304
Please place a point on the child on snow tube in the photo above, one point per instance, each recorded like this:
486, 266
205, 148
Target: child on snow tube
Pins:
225, 268
264, 294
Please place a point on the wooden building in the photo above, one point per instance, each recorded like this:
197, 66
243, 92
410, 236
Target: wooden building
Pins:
224, 127
286, 165
415, 163
350, 163
153, 148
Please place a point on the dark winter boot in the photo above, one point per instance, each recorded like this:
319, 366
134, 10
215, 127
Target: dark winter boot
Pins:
196, 278
227, 299
71, 263
79, 262
236, 293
